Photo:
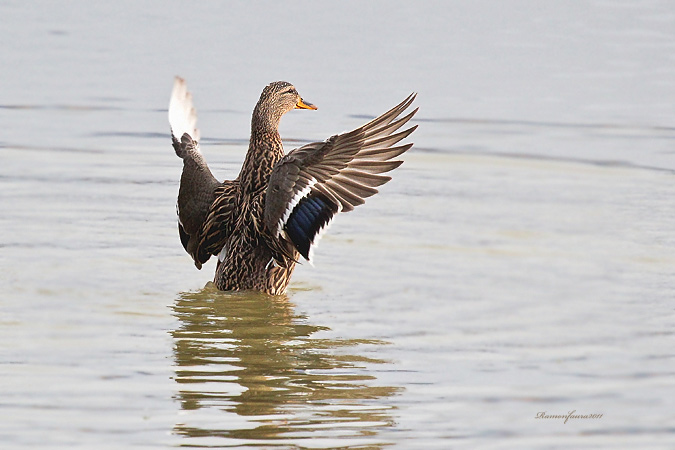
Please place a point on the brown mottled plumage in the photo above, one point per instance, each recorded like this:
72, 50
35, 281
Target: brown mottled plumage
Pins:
274, 212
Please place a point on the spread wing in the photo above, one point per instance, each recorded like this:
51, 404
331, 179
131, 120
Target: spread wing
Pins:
219, 221
313, 183
203, 201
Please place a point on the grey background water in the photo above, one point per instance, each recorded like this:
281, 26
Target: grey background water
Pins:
521, 261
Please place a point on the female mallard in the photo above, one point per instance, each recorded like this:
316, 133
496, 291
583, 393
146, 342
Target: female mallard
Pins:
277, 208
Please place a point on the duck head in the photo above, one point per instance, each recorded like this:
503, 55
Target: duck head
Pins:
276, 100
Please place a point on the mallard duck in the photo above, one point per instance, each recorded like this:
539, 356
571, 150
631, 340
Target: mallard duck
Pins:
262, 223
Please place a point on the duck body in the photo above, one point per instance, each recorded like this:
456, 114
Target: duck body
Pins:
260, 224
245, 262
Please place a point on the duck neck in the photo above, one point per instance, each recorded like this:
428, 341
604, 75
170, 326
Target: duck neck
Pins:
265, 149
265, 118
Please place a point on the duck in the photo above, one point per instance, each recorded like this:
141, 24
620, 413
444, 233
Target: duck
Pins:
272, 215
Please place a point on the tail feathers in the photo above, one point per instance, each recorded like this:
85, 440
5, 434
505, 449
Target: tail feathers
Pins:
182, 114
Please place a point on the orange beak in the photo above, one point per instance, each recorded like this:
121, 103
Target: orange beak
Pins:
304, 105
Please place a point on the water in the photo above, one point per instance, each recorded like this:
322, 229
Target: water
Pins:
521, 261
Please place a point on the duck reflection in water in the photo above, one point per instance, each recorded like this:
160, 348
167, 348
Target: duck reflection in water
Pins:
248, 368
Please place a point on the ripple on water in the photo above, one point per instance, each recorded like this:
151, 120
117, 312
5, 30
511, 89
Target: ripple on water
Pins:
249, 368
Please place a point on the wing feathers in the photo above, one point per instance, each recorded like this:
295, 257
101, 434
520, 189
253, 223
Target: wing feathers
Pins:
316, 181
365, 178
375, 166
390, 115
309, 218
347, 199
393, 126
182, 114
200, 206
354, 186
380, 154
218, 223
329, 195
387, 141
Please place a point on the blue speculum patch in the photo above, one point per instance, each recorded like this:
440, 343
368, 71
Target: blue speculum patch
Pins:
309, 215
